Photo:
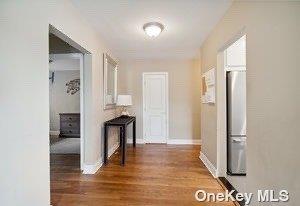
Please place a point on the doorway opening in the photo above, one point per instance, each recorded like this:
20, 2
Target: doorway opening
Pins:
155, 107
231, 124
67, 64
64, 102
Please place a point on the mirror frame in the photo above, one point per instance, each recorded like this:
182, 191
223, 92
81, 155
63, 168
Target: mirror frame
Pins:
106, 59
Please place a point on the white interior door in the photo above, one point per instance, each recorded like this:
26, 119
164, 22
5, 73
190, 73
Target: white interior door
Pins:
155, 107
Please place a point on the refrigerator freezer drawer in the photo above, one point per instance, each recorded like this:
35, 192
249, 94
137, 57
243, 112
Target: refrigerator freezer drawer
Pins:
237, 155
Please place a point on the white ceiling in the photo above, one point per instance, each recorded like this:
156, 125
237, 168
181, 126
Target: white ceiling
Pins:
187, 24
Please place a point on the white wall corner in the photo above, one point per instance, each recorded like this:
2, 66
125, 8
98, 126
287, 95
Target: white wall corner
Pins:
138, 141
184, 141
211, 168
54, 133
90, 169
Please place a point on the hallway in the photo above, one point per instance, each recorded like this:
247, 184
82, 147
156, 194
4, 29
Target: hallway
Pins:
155, 174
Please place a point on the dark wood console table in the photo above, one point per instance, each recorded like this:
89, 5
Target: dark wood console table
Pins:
122, 122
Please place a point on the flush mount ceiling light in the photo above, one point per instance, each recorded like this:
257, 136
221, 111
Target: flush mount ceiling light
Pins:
153, 29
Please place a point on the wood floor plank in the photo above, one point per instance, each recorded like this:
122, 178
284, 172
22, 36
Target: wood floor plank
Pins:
154, 174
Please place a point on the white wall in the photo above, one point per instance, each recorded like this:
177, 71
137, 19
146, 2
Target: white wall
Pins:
273, 95
60, 100
63, 62
24, 94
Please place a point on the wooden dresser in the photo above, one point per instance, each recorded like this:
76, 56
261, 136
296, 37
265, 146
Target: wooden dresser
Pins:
69, 125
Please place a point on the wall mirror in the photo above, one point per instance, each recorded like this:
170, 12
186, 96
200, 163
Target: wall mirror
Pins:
110, 69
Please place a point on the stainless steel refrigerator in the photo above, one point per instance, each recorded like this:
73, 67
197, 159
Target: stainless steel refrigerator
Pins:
236, 122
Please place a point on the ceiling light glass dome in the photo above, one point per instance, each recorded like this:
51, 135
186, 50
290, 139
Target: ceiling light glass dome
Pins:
153, 29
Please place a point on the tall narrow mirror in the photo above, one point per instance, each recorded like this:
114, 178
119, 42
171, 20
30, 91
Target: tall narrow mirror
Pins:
110, 69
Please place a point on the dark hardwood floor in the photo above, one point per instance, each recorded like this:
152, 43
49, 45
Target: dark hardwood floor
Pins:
155, 174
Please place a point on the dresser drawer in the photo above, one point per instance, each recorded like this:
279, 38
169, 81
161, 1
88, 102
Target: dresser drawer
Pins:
70, 118
70, 125
70, 132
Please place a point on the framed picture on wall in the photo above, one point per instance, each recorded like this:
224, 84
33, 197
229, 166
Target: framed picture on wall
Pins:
208, 87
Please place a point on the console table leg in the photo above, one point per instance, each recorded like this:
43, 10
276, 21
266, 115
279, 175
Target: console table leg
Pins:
134, 133
123, 145
120, 135
105, 144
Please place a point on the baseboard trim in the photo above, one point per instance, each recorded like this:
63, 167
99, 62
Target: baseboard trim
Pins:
228, 186
93, 168
90, 169
112, 150
184, 141
211, 168
138, 141
56, 133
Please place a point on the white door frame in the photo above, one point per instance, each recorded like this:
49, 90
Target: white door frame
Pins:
82, 137
221, 107
167, 103
85, 69
80, 56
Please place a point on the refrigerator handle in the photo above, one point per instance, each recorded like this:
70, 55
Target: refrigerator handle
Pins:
238, 139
